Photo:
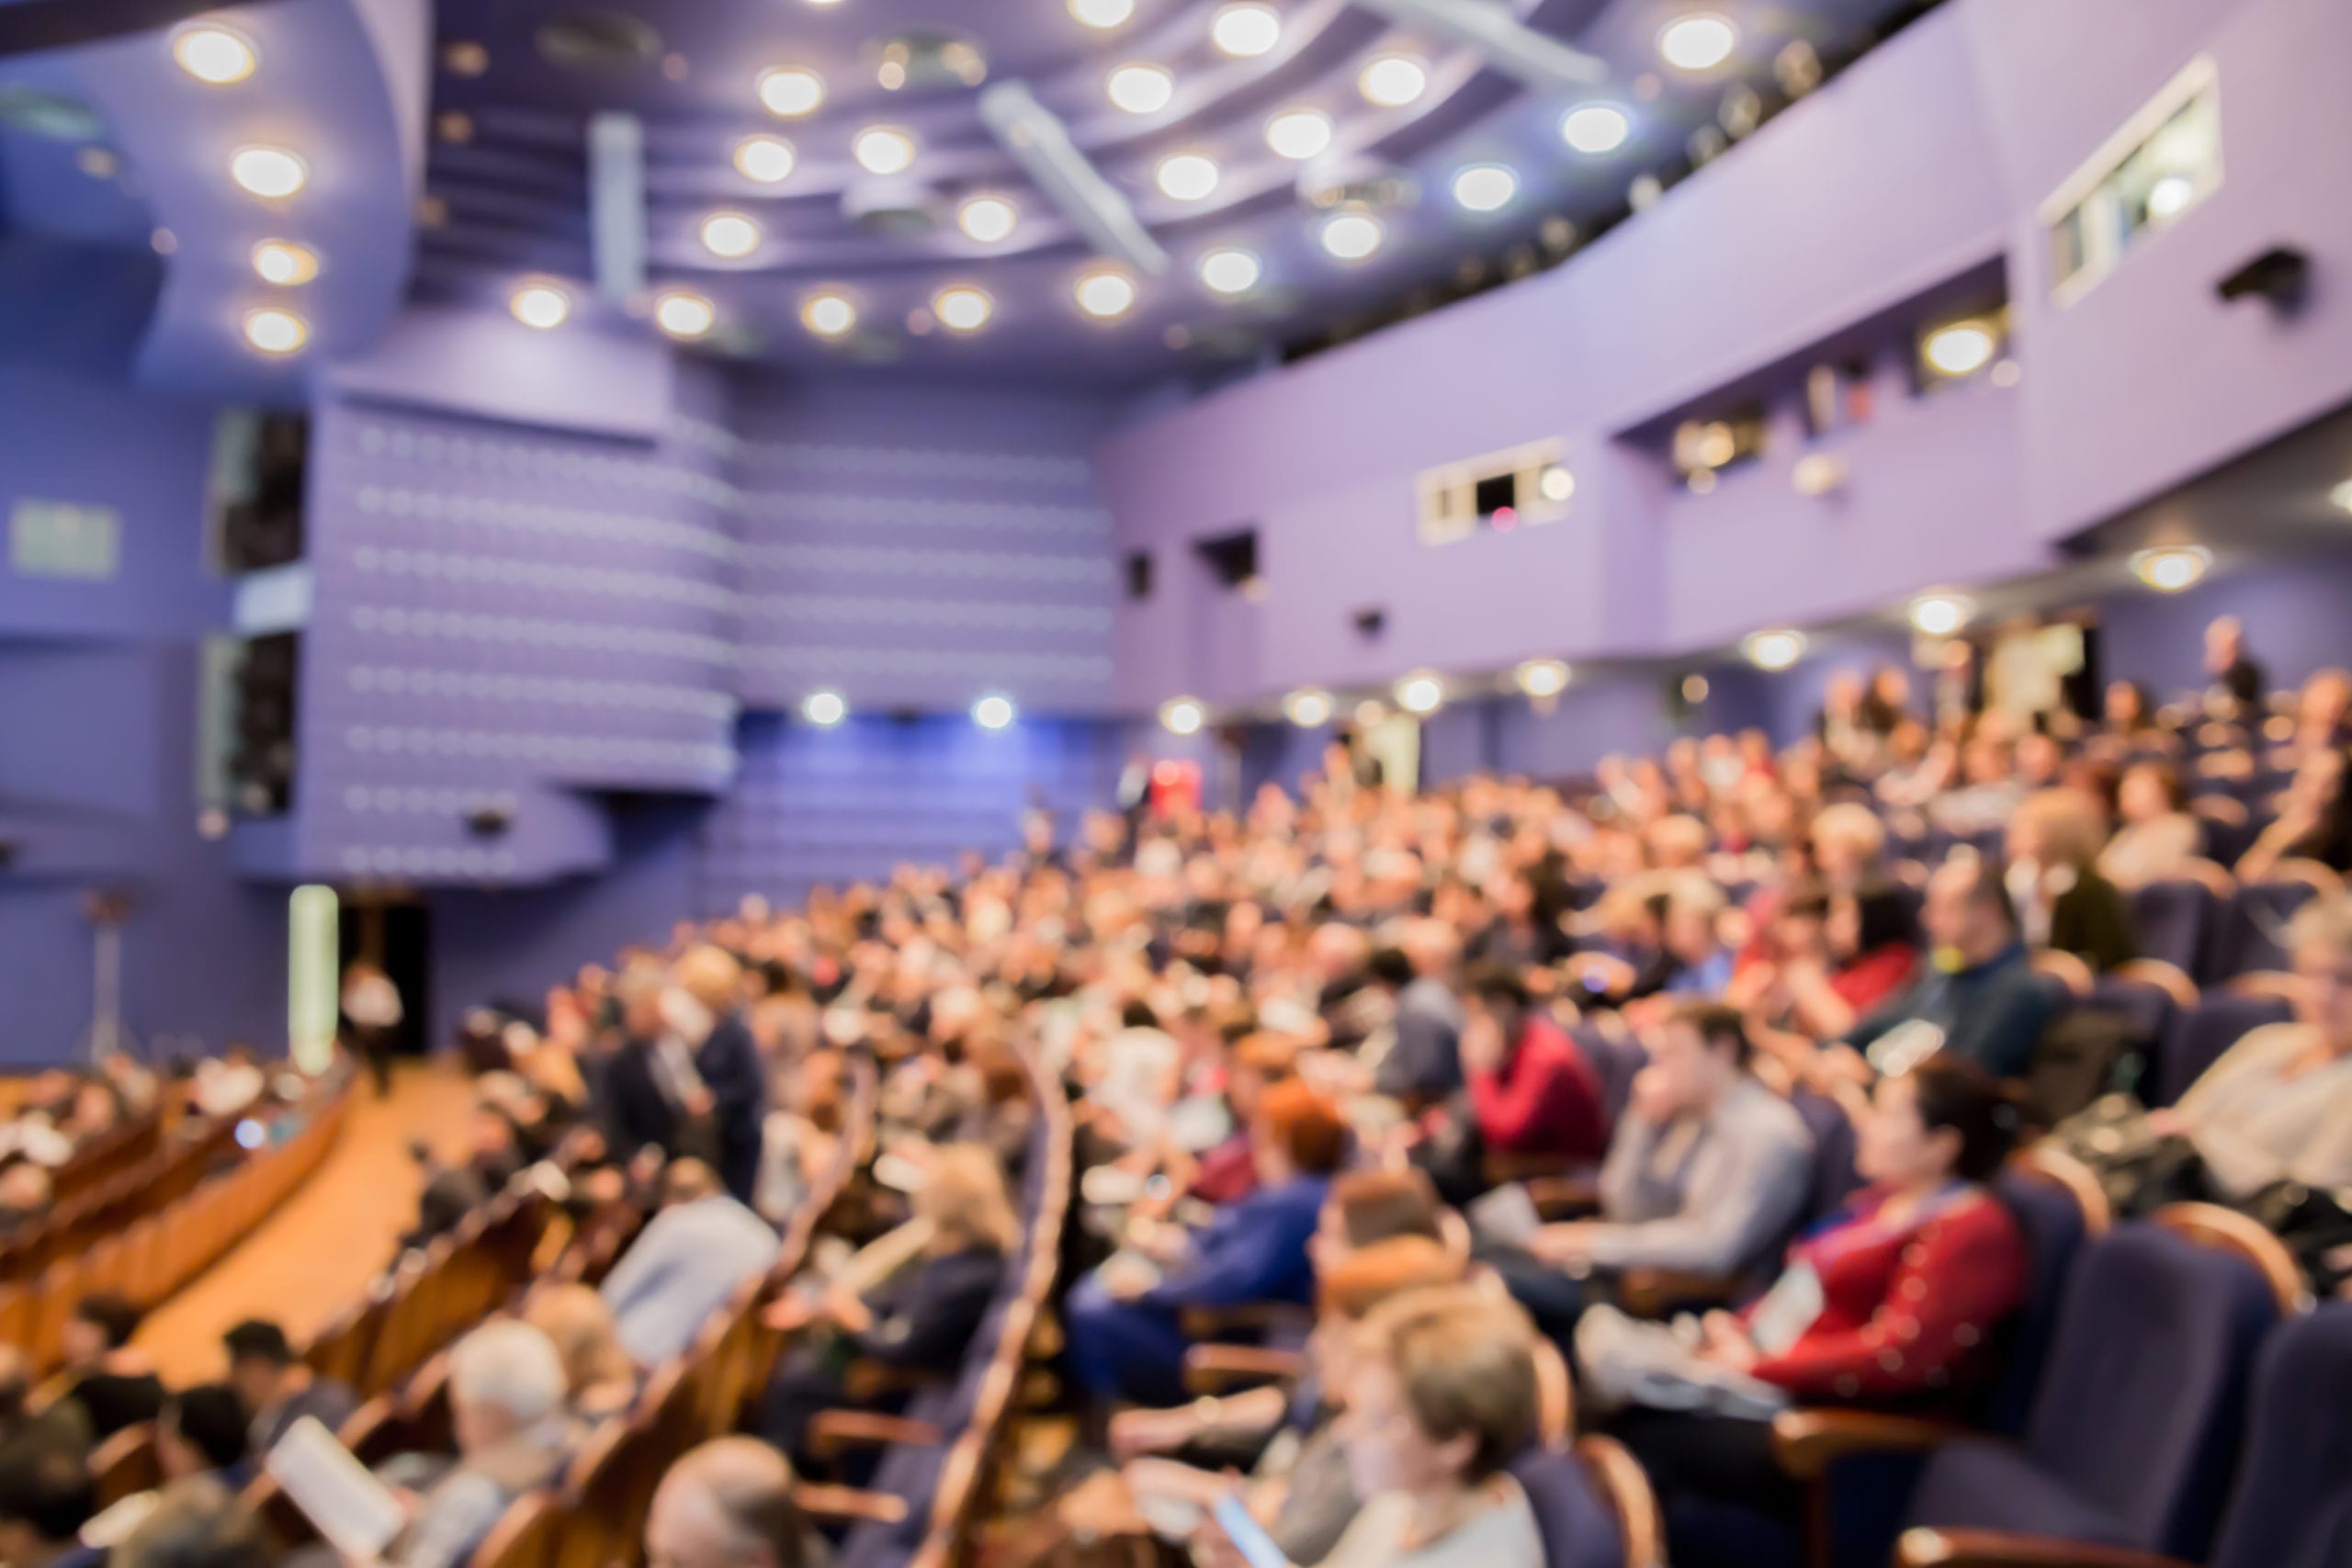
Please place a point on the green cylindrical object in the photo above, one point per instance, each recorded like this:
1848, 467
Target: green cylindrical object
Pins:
311, 947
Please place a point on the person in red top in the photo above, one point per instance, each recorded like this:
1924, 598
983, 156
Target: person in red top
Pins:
1532, 1091
1895, 1300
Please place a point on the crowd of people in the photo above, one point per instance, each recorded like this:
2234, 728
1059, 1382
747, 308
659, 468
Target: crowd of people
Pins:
1450, 1080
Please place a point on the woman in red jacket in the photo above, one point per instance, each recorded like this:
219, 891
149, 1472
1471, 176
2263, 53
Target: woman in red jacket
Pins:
1896, 1300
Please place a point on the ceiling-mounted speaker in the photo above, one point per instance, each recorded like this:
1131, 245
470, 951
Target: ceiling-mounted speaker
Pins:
1371, 621
2280, 274
488, 822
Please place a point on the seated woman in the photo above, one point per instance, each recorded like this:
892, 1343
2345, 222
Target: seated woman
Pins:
1125, 1320
1895, 1302
2062, 902
922, 1321
1845, 954
2159, 837
2277, 1106
2314, 819
599, 1377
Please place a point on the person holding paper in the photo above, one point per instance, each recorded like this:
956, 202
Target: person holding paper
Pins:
514, 1430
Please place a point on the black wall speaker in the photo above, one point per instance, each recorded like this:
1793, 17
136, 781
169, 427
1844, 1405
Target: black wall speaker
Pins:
2280, 274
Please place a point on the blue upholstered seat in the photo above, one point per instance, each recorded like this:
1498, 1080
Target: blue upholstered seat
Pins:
2252, 933
1578, 1526
2052, 1223
2293, 1507
2175, 920
2198, 1037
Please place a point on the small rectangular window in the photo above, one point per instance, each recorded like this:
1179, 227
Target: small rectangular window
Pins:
1232, 556
2164, 160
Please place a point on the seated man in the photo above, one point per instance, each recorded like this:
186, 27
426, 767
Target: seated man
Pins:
204, 1430
45, 1499
1978, 999
728, 1504
197, 1523
506, 1403
691, 1258
277, 1387
113, 1383
1707, 1174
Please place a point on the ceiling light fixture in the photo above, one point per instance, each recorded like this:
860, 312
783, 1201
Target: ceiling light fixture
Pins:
767, 159
1102, 14
731, 236
1105, 294
1246, 28
541, 305
828, 312
1941, 615
1187, 177
1420, 694
1351, 236
2170, 196
1774, 649
1392, 81
1700, 41
986, 218
791, 91
685, 315
270, 173
963, 309
1541, 677
1556, 483
2341, 495
1180, 716
1231, 270
2172, 568
1299, 134
1961, 349
1485, 187
285, 263
884, 149
1307, 707
993, 712
824, 709
275, 332
1595, 128
1139, 88
214, 55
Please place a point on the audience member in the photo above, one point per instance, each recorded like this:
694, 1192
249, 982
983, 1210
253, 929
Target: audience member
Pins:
729, 1504
1532, 1091
277, 1387
2062, 902
684, 1265
506, 1401
727, 1061
2159, 836
1424, 1062
26, 1193
599, 1378
2238, 685
2314, 820
113, 1384
196, 1523
60, 1426
206, 1430
45, 1499
1979, 997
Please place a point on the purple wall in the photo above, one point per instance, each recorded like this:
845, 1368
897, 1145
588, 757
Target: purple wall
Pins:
2294, 613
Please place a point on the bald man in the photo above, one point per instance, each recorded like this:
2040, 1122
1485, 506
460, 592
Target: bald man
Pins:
727, 1505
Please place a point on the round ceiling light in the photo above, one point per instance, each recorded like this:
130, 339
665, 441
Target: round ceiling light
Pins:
1246, 28
1182, 717
1593, 129
271, 173
1140, 89
963, 309
213, 54
2170, 196
1231, 270
729, 235
1541, 677
1961, 349
1351, 236
684, 315
2174, 568
1556, 483
828, 313
884, 149
1187, 177
1392, 81
1308, 708
791, 91
1106, 295
1421, 693
2340, 496
541, 305
1299, 134
1774, 649
1941, 615
986, 218
285, 263
767, 159
1700, 41
824, 709
275, 332
993, 712
1485, 187
1102, 13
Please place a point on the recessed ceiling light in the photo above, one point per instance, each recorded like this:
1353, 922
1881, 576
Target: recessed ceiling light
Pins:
1182, 717
1307, 707
541, 305
2170, 196
464, 57
1775, 650
1351, 236
1941, 615
1299, 134
1246, 28
684, 315
1102, 13
1422, 694
268, 172
1187, 177
2341, 495
275, 332
213, 54
1393, 81
1230, 270
284, 263
824, 709
1595, 128
1106, 295
1700, 41
883, 149
1694, 689
729, 235
1556, 483
1961, 349
1541, 677
986, 218
963, 309
767, 159
993, 712
2172, 570
1485, 187
791, 91
1140, 89
828, 313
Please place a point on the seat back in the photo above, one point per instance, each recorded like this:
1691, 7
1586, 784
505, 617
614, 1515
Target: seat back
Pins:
2140, 1410
2293, 1505
2175, 920
2054, 1222
2254, 928
1616, 1060
1834, 1177
125, 1465
1574, 1514
2199, 1036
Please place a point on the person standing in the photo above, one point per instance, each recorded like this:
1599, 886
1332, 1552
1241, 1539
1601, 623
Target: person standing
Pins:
371, 1019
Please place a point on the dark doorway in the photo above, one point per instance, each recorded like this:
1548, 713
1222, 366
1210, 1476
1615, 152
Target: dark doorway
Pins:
394, 933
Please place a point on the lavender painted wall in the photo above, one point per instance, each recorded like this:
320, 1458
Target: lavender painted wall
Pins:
2294, 613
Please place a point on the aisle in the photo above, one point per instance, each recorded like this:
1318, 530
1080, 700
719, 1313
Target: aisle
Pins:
313, 1254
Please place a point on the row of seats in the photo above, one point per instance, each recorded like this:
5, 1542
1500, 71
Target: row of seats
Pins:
148, 1260
2214, 928
130, 1170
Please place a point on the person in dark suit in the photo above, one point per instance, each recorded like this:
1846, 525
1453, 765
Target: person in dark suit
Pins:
642, 1101
734, 1088
925, 1319
1125, 1320
2062, 902
2237, 681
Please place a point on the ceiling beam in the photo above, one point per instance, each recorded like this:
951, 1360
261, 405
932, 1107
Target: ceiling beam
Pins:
1041, 144
1508, 44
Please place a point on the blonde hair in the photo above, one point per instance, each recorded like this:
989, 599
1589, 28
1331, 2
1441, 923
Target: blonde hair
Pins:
2068, 820
964, 1197
580, 1326
711, 977
1857, 825
2325, 921
1464, 1365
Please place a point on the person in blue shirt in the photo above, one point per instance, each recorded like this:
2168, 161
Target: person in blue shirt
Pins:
1126, 1320
1978, 996
689, 1258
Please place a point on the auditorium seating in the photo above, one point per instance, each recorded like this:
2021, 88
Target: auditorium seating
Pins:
2198, 1037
